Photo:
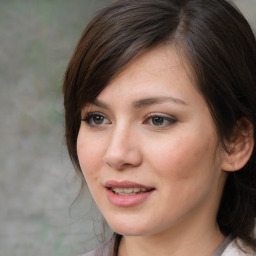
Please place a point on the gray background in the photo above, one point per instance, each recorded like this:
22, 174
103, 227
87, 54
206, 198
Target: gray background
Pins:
37, 182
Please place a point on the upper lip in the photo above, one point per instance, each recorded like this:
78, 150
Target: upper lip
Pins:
125, 184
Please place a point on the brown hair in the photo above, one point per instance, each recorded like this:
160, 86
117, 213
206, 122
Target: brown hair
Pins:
221, 49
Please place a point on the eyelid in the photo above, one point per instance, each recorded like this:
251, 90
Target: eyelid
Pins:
87, 117
91, 113
171, 119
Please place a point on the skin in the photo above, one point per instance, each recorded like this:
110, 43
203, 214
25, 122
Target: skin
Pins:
176, 152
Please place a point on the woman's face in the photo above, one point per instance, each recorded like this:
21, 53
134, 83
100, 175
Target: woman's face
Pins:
149, 150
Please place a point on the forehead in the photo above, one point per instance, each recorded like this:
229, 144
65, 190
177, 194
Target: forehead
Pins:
159, 59
158, 71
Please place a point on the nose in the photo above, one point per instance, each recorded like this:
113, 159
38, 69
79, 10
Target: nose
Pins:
123, 150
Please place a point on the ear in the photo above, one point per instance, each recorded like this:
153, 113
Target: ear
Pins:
240, 146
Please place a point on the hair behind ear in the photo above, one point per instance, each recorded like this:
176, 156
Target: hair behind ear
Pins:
240, 146
238, 205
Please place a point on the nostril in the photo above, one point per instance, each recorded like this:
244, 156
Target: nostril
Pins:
120, 157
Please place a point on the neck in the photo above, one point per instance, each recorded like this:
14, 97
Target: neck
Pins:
186, 242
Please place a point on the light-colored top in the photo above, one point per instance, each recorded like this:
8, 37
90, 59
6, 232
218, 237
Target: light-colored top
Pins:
229, 247
233, 250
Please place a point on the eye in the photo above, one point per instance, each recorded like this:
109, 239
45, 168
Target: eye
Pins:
95, 119
160, 120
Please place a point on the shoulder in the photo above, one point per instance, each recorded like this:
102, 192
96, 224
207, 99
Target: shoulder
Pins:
104, 250
235, 249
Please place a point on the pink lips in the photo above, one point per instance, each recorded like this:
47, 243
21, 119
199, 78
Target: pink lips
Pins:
123, 199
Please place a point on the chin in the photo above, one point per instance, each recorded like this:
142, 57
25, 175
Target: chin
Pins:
130, 232
130, 228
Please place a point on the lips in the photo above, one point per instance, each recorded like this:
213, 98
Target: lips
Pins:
127, 187
127, 193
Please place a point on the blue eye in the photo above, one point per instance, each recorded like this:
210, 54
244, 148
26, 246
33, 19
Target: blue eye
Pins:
95, 119
160, 120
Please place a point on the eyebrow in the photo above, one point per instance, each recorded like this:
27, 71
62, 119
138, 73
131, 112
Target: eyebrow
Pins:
100, 104
157, 100
143, 102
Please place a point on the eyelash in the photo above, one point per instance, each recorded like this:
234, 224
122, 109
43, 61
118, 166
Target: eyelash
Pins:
166, 120
88, 119
169, 120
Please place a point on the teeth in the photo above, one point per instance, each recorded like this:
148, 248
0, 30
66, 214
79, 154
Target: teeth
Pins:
136, 190
128, 191
118, 190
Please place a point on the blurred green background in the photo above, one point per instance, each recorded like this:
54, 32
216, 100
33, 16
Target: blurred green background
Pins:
37, 182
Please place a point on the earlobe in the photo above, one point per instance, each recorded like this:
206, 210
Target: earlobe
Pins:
240, 146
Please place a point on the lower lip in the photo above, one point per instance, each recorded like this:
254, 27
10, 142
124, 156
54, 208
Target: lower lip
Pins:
127, 201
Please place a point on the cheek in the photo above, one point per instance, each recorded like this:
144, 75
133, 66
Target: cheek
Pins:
186, 169
184, 156
89, 155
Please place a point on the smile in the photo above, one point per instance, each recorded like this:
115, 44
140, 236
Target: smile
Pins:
128, 191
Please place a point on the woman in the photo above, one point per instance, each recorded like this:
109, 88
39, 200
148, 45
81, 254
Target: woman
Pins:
160, 101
